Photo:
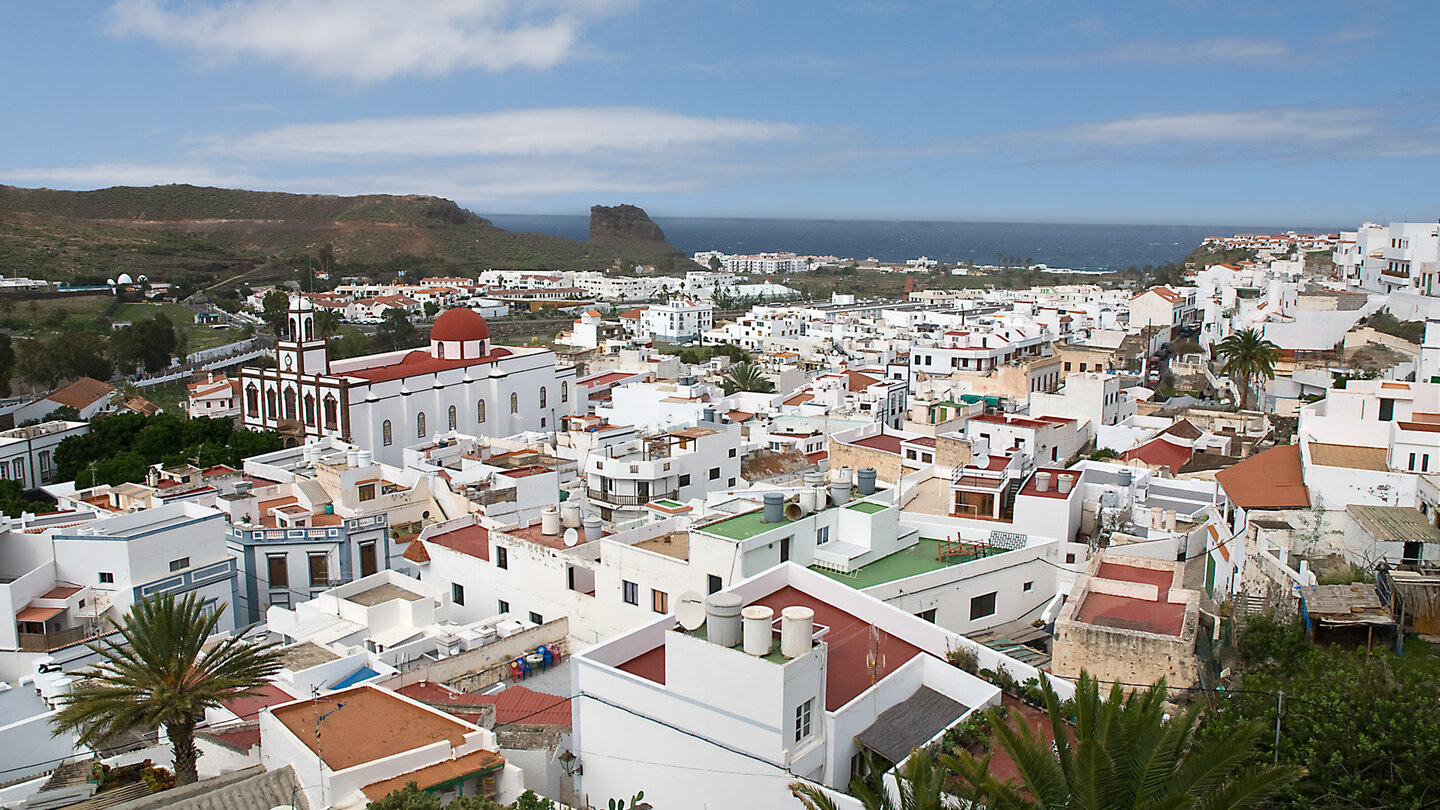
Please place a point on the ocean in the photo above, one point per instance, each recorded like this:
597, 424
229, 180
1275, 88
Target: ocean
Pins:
1077, 247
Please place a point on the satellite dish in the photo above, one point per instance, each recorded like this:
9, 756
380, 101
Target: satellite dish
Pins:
571, 537
690, 611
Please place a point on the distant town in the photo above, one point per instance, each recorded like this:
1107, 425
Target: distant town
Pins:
545, 537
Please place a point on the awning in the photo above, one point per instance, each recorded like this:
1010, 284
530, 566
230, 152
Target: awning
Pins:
38, 614
910, 724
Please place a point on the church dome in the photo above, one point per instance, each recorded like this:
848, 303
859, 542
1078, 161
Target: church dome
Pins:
460, 324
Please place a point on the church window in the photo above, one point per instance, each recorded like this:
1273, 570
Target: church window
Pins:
420, 424
331, 408
480, 411
309, 409
270, 402
564, 392
452, 417
385, 436
252, 400
514, 403
542, 396
290, 403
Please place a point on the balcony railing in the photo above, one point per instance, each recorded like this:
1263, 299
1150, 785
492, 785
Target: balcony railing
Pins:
616, 499
46, 642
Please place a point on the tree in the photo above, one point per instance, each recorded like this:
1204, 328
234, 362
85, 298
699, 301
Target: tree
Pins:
163, 673
275, 310
7, 364
1364, 725
327, 323
1248, 357
148, 344
921, 785
431, 309
395, 332
14, 503
746, 377
1122, 752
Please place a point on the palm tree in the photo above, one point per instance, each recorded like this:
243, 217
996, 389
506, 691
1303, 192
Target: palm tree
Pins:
1122, 752
1248, 356
921, 784
746, 377
162, 673
327, 323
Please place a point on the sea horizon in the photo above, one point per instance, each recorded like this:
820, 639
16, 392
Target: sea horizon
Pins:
1078, 246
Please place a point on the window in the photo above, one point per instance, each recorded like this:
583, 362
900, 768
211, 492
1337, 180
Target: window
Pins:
420, 424
536, 618
927, 615
252, 400
732, 482
309, 409
385, 436
1030, 586
277, 570
502, 557
685, 480
1069, 559
564, 392
542, 396
289, 403
45, 470
714, 473
631, 592
732, 452
1412, 462
319, 570
480, 411
1067, 365
457, 593
802, 719
107, 578
514, 403
367, 492
659, 601
504, 606
713, 584
822, 535
180, 564
452, 417
982, 606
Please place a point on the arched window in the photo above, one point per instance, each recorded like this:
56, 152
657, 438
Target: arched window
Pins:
270, 410
289, 403
514, 403
309, 409
542, 396
480, 411
440, 350
420, 424
452, 417
294, 331
309, 328
331, 411
252, 400
564, 392
385, 436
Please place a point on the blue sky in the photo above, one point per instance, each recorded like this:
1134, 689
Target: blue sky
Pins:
1197, 112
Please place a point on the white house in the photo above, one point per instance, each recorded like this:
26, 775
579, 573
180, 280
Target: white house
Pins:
27, 454
216, 396
677, 320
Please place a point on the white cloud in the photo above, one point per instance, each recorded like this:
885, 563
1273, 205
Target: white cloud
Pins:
368, 40
555, 131
1216, 49
103, 175
1322, 126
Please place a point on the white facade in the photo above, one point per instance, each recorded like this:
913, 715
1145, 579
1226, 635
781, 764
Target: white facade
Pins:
677, 320
1098, 398
1389, 258
27, 454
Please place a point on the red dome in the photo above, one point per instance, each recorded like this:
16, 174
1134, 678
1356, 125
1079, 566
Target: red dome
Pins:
460, 324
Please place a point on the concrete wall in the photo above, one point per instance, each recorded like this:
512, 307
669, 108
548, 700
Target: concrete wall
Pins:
856, 457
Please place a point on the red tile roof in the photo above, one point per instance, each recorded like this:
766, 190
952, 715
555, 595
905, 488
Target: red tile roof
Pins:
1160, 453
421, 362
1273, 479
472, 541
883, 442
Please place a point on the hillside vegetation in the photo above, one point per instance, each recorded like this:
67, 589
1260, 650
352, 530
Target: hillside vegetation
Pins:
87, 236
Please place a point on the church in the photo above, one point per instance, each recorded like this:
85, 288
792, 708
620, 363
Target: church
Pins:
385, 402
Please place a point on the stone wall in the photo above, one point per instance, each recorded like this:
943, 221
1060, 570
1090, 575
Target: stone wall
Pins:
857, 457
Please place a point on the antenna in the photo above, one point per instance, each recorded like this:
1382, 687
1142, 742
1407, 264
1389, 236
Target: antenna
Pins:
875, 657
690, 611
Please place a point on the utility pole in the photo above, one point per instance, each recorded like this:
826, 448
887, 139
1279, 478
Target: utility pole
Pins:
1279, 710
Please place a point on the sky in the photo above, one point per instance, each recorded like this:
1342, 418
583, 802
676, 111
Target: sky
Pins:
1266, 111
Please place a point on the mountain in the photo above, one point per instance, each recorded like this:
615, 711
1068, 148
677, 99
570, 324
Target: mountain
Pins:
86, 236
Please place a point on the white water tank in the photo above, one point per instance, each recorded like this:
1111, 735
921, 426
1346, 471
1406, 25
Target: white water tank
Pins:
352, 457
366, 458
722, 619
1169, 520
797, 626
807, 501
570, 515
1064, 483
592, 529
1042, 482
550, 521
758, 636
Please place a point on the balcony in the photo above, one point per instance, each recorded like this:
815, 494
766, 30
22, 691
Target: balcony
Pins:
59, 639
617, 499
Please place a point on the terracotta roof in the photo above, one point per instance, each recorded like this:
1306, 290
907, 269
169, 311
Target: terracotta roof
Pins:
81, 393
1160, 453
440, 773
799, 399
372, 724
460, 324
472, 541
883, 442
1183, 429
1273, 479
739, 416
142, 405
416, 552
418, 363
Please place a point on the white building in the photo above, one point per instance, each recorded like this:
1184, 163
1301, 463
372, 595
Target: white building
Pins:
677, 320
696, 713
27, 454
1095, 397
214, 397
676, 465
383, 401
1390, 258
1163, 306
1369, 442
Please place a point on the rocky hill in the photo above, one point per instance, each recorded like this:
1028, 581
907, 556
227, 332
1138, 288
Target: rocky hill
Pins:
85, 236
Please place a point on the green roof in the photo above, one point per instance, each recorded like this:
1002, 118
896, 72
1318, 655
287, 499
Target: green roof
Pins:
868, 507
742, 526
667, 502
921, 558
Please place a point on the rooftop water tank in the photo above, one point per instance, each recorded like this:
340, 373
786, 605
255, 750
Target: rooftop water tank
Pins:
758, 636
797, 626
865, 482
722, 619
774, 507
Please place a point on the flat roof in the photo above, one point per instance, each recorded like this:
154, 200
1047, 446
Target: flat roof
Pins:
921, 558
1398, 524
1344, 455
1132, 613
364, 724
384, 592
674, 544
304, 655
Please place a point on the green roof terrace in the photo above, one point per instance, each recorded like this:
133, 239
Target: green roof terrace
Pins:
921, 558
749, 524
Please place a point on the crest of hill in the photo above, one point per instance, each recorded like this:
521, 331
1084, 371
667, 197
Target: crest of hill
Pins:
53, 233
